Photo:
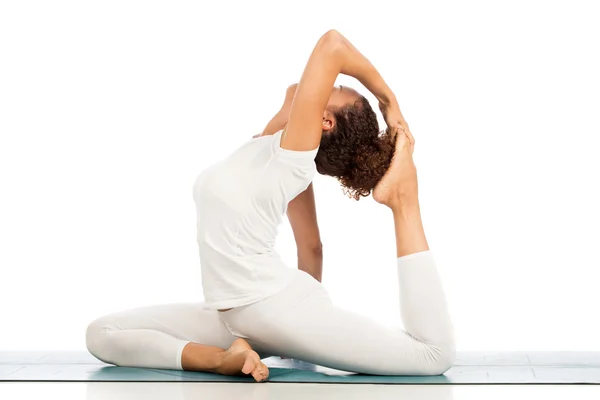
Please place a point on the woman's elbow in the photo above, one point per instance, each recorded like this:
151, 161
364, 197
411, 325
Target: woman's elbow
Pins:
332, 34
332, 40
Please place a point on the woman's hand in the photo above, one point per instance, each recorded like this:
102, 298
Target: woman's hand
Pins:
392, 114
395, 120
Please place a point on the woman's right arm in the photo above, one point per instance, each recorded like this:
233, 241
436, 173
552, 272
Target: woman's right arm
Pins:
355, 64
280, 119
333, 54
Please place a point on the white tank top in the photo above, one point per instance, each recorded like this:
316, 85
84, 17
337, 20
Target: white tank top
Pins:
240, 203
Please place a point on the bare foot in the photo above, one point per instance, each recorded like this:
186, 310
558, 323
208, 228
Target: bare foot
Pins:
400, 180
240, 359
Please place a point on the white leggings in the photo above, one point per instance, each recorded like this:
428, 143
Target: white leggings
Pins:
299, 322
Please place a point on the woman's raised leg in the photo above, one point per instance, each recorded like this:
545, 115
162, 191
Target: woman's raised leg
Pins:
422, 299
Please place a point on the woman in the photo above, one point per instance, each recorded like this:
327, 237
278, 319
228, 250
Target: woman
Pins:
255, 306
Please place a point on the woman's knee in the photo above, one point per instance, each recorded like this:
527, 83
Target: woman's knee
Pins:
97, 339
427, 360
441, 360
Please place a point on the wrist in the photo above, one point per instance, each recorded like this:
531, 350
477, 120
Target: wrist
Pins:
386, 98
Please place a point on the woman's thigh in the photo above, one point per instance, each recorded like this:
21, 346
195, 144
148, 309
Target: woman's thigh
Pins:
302, 323
186, 321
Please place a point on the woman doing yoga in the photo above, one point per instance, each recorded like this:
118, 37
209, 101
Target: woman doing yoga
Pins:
257, 307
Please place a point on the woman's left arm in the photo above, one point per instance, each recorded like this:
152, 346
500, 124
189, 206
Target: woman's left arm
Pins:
302, 215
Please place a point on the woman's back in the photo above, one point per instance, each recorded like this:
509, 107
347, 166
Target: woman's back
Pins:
240, 202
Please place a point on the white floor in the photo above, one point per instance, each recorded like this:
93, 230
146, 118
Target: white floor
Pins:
288, 391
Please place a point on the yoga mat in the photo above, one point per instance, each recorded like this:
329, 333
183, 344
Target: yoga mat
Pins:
469, 368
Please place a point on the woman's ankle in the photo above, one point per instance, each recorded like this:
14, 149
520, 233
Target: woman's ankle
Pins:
405, 202
198, 357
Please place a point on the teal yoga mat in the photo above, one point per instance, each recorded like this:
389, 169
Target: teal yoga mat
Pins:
469, 368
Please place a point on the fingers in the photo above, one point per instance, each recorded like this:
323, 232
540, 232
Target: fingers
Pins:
395, 130
399, 129
410, 136
407, 132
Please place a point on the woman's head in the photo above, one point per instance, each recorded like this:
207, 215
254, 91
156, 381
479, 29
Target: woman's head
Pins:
352, 148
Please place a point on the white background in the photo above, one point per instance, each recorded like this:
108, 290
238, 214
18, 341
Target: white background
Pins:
109, 110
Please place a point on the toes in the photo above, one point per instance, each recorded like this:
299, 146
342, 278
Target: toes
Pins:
265, 370
260, 373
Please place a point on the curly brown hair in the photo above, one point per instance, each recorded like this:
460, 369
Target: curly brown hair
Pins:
355, 152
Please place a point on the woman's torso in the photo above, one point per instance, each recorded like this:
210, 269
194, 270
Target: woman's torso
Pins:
240, 203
